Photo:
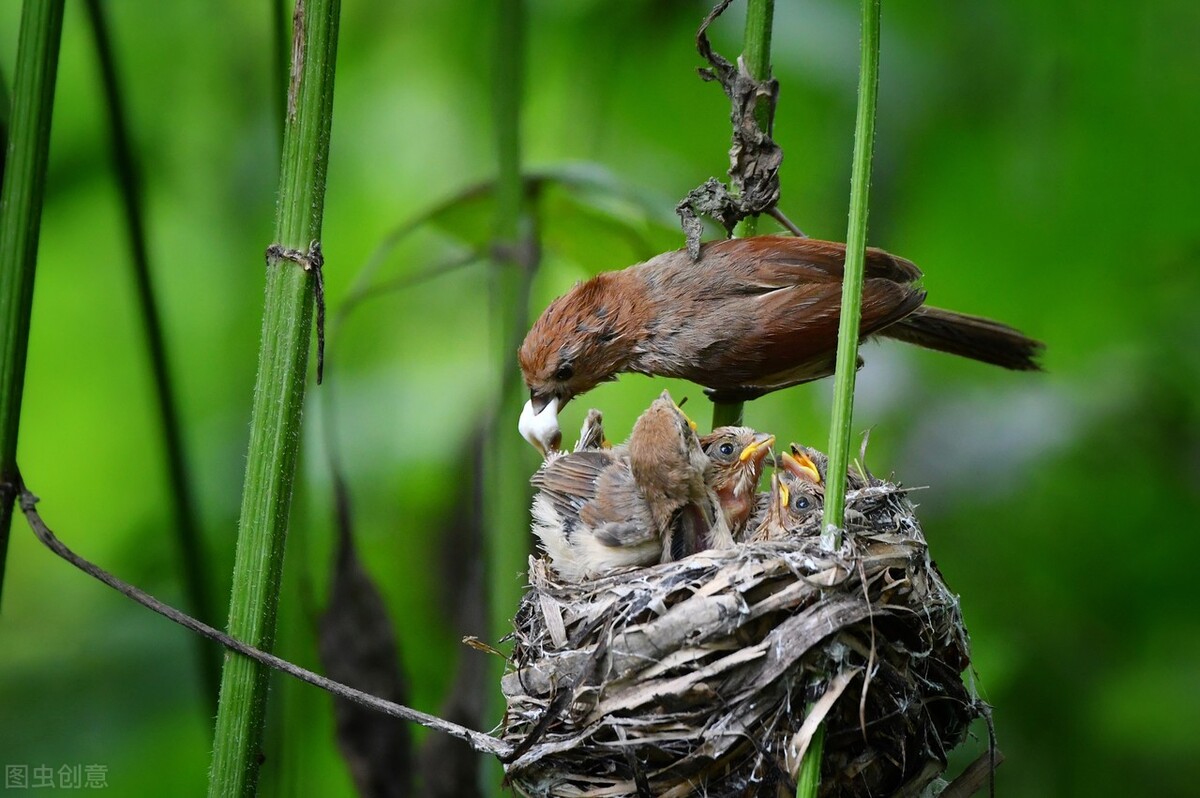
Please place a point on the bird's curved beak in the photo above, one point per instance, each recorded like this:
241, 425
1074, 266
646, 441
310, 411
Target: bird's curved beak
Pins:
756, 451
538, 401
801, 467
540, 426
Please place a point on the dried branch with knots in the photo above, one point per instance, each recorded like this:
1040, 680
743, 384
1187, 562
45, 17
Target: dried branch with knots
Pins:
754, 157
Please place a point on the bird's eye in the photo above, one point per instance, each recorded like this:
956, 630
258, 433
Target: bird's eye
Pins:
801, 503
726, 449
565, 372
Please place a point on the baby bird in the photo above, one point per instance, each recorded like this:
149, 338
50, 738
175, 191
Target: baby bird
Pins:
738, 455
796, 500
640, 503
672, 472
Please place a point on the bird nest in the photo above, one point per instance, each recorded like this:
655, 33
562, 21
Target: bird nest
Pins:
709, 675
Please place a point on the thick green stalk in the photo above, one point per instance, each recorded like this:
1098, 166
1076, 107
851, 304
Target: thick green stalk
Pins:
856, 243
847, 353
20, 221
756, 54
278, 397
506, 482
185, 510
727, 414
509, 545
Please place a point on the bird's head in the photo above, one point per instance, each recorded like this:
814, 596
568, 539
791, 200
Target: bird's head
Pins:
663, 432
800, 494
582, 339
738, 456
665, 456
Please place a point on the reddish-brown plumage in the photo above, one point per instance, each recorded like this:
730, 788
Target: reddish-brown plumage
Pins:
751, 316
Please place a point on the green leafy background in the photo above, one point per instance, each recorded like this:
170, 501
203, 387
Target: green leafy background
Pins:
1037, 160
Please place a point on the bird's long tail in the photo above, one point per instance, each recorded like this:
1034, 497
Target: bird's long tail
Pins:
968, 336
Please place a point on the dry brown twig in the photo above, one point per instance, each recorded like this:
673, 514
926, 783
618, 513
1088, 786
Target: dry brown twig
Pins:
477, 740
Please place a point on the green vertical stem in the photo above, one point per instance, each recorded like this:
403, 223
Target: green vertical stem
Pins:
506, 481
847, 352
856, 244
278, 398
20, 220
727, 414
756, 55
184, 507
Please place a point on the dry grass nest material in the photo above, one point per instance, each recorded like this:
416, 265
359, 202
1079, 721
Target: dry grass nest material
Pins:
708, 676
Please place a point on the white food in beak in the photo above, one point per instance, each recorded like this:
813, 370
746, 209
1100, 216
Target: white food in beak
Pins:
541, 429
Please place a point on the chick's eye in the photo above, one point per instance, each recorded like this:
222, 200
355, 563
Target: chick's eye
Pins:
726, 449
800, 503
564, 372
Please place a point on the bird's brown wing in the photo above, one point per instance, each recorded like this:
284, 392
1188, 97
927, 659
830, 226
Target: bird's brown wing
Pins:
784, 295
618, 514
786, 260
793, 338
569, 482
595, 489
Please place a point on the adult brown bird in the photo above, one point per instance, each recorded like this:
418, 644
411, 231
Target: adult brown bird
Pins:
643, 502
751, 316
738, 456
796, 500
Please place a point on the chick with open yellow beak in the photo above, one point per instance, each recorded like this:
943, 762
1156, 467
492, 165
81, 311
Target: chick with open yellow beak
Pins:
796, 501
738, 456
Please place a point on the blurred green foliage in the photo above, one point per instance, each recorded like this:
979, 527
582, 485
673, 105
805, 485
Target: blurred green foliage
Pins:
1037, 160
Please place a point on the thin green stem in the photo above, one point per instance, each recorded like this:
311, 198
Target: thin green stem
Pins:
20, 220
278, 397
756, 54
856, 242
756, 49
186, 513
847, 352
